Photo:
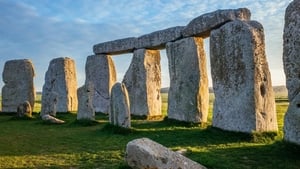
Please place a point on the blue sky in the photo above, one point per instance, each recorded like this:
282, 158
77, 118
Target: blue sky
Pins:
42, 30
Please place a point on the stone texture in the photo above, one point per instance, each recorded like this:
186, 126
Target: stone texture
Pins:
100, 71
51, 119
291, 49
49, 103
24, 109
18, 84
119, 46
60, 80
157, 40
202, 25
143, 83
188, 94
291, 62
244, 98
119, 113
145, 154
85, 96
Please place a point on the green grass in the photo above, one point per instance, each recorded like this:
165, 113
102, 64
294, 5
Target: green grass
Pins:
30, 143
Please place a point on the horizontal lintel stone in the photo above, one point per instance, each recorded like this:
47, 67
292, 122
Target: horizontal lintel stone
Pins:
116, 47
202, 25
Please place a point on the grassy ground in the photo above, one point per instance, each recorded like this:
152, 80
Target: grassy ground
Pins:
34, 144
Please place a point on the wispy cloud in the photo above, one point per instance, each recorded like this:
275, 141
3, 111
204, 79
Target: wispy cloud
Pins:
43, 30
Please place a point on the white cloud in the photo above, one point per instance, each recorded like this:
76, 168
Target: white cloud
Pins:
43, 30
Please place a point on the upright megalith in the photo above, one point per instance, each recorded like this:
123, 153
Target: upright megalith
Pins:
291, 62
100, 71
60, 88
119, 112
244, 99
86, 109
143, 82
18, 84
188, 94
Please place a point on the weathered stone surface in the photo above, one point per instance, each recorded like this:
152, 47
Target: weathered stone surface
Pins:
158, 39
119, 46
244, 98
143, 83
188, 94
291, 49
18, 84
49, 103
155, 40
51, 119
202, 25
119, 112
60, 79
291, 62
85, 96
292, 122
100, 71
24, 109
144, 154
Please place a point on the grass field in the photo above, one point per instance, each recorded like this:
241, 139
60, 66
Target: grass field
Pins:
34, 144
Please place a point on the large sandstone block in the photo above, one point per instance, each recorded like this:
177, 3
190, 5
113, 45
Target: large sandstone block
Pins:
188, 94
157, 40
291, 62
119, 112
85, 96
60, 80
100, 71
291, 49
115, 47
244, 98
145, 154
204, 24
143, 82
18, 84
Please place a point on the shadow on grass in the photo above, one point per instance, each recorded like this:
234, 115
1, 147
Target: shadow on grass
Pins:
276, 156
103, 145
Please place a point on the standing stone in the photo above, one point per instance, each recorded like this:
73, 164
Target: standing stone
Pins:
24, 109
60, 81
244, 98
291, 61
100, 71
18, 84
188, 94
85, 102
119, 113
144, 153
50, 106
143, 82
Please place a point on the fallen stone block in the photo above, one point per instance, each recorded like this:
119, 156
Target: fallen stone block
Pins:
51, 119
145, 154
